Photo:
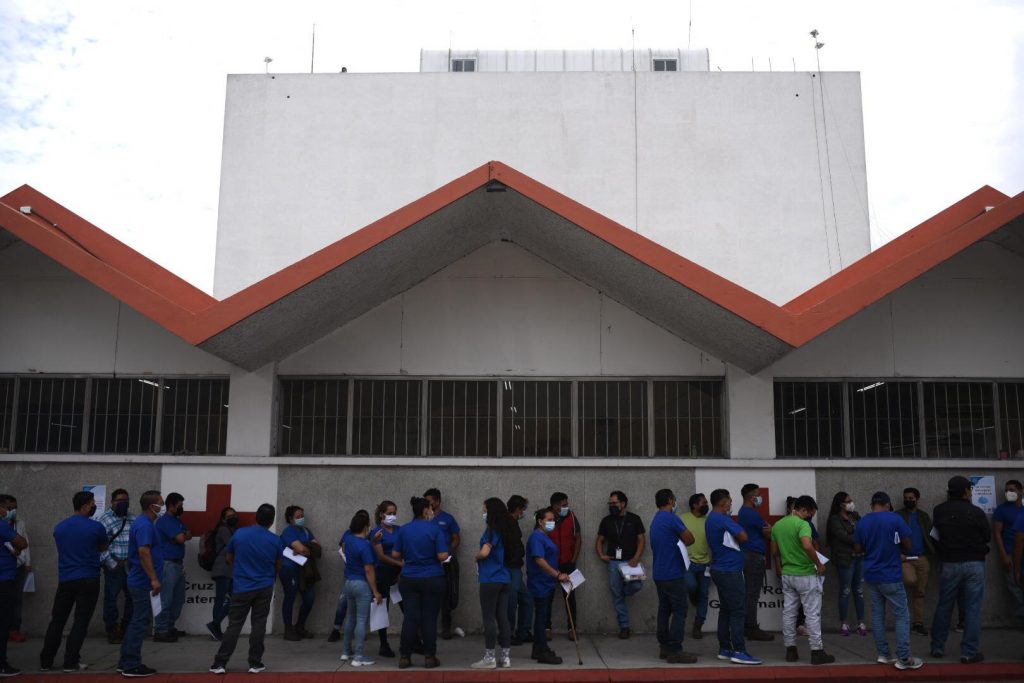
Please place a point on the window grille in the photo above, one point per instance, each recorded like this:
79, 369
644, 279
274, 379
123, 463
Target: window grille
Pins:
959, 420
461, 65
884, 419
51, 412
386, 417
536, 419
666, 65
314, 417
122, 415
809, 419
1011, 417
688, 419
612, 418
463, 417
195, 416
6, 411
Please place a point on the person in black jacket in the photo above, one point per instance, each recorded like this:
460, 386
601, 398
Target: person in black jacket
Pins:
964, 535
520, 604
842, 521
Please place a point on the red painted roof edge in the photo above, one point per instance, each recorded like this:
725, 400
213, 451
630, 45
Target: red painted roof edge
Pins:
174, 304
110, 250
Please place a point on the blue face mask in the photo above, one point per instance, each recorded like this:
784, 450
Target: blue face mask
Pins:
301, 521
12, 515
564, 511
485, 516
549, 526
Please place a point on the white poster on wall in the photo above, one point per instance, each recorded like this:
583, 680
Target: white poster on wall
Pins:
207, 490
99, 491
984, 493
776, 485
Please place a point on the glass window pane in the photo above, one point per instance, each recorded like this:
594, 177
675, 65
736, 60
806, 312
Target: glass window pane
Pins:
959, 420
122, 415
195, 417
51, 412
386, 416
463, 417
612, 418
537, 420
314, 417
687, 418
1011, 417
884, 419
808, 419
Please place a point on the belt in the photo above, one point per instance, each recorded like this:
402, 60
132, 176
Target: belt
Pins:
174, 561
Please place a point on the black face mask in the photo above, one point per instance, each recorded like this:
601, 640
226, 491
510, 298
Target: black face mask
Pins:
703, 510
92, 511
613, 510
121, 508
910, 504
231, 522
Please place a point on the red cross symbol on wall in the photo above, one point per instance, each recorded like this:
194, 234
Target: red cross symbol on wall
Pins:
218, 497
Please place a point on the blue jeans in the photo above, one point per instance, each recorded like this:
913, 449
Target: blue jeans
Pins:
697, 584
115, 582
671, 613
895, 596
968, 577
290, 583
732, 596
519, 598
340, 611
221, 599
142, 613
621, 589
172, 596
851, 580
358, 597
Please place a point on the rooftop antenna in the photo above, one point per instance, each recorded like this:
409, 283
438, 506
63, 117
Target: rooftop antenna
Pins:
689, 28
266, 64
632, 32
817, 47
312, 50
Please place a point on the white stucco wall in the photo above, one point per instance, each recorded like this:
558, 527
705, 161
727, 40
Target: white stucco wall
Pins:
724, 168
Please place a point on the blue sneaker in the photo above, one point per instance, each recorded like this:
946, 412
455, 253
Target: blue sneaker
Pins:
739, 657
725, 655
362, 660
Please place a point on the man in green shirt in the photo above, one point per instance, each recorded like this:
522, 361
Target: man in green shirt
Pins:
697, 581
802, 570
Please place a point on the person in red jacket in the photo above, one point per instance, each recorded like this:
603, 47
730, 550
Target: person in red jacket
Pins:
568, 537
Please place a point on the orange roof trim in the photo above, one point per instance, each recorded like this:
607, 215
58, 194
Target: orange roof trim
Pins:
197, 317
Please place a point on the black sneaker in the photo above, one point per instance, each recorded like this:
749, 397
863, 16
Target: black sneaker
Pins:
959, 627
549, 657
6, 671
385, 651
791, 654
177, 633
919, 629
334, 637
821, 657
141, 671
976, 659
164, 637
625, 633
758, 635
75, 668
446, 634
257, 668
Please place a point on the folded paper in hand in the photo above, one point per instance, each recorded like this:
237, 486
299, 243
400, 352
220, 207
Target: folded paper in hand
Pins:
575, 581
30, 583
685, 553
822, 559
729, 541
295, 557
632, 573
156, 604
379, 615
934, 533
396, 595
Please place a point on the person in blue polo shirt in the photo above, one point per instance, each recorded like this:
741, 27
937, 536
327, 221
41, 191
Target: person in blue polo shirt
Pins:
727, 574
453, 537
8, 575
255, 555
80, 540
755, 551
669, 572
422, 546
145, 568
883, 537
173, 536
1002, 531
542, 579
360, 588
294, 577
495, 583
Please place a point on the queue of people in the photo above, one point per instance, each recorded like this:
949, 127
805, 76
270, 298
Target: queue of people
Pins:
140, 558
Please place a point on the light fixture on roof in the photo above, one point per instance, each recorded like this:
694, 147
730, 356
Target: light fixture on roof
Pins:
869, 387
496, 186
266, 64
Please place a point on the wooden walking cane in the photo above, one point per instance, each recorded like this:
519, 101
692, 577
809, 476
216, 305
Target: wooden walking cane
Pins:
572, 625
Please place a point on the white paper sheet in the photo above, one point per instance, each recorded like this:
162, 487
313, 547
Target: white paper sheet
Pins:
341, 554
632, 573
99, 492
934, 533
729, 541
379, 616
822, 558
707, 572
575, 581
685, 553
297, 559
30, 583
447, 560
396, 595
156, 603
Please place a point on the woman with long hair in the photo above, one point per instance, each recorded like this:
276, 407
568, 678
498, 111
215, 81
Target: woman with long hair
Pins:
302, 541
387, 568
495, 582
422, 547
842, 520
360, 588
221, 572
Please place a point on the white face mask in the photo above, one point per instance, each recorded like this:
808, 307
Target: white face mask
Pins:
1011, 496
758, 500
549, 526
390, 519
850, 507
485, 516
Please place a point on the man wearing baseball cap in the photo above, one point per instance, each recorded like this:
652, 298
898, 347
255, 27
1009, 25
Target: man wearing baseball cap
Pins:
883, 537
964, 535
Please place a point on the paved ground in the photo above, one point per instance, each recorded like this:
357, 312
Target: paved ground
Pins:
605, 658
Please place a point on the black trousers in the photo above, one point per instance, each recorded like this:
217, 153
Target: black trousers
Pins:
565, 568
7, 589
80, 595
241, 603
450, 599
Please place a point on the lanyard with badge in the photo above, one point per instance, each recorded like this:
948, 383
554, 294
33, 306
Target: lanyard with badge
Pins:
618, 538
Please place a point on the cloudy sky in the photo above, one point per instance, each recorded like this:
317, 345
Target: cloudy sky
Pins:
115, 108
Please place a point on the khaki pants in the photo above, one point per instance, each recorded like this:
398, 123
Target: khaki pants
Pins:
915, 579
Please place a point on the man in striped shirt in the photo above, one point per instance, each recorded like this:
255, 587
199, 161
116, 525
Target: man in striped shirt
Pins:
117, 521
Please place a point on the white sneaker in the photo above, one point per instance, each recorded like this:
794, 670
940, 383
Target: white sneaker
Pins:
909, 663
362, 661
505, 663
485, 663
219, 670
459, 632
883, 659
345, 656
257, 668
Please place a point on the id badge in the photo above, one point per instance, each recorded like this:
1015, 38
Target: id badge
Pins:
618, 553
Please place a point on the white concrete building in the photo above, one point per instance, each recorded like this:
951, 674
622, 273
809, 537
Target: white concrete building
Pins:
505, 280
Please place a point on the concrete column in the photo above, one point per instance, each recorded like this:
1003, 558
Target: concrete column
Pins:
251, 420
751, 416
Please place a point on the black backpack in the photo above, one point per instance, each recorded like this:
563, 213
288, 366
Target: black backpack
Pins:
208, 554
